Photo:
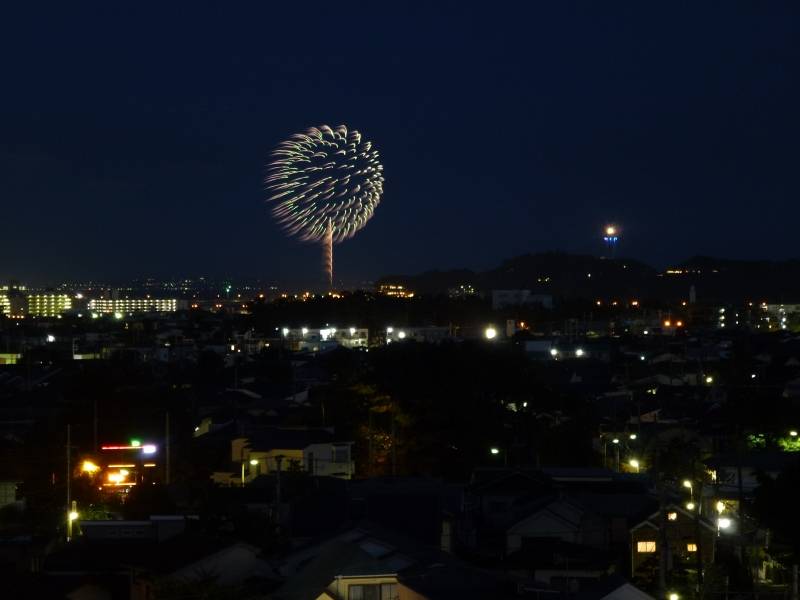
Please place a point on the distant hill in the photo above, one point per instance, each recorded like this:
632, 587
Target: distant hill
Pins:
582, 276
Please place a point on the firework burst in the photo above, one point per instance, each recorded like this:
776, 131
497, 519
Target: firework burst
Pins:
325, 185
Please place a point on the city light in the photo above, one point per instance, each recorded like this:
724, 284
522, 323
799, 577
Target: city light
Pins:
136, 443
632, 436
674, 596
611, 230
389, 329
690, 506
490, 333
709, 379
793, 433
352, 331
89, 467
494, 450
579, 352
148, 449
51, 338
615, 441
724, 523
73, 515
285, 331
553, 352
634, 463
304, 330
667, 323
687, 484
720, 506
253, 462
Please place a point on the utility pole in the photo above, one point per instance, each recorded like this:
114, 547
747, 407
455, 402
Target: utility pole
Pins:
69, 482
697, 536
394, 446
278, 461
94, 423
166, 449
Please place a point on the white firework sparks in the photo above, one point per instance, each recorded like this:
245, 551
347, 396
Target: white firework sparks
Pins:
325, 183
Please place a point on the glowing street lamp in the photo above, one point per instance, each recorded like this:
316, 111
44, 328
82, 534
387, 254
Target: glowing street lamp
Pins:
579, 352
494, 451
89, 467
690, 506
634, 463
490, 333
674, 596
793, 433
723, 523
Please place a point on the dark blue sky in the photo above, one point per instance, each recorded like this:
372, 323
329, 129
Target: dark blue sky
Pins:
133, 139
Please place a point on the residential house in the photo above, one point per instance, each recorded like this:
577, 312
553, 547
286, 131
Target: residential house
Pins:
271, 449
686, 535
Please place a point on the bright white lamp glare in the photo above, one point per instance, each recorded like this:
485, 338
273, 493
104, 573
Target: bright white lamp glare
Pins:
579, 352
149, 449
724, 523
490, 333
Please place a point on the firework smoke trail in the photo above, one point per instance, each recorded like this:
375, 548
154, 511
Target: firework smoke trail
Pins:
325, 185
329, 254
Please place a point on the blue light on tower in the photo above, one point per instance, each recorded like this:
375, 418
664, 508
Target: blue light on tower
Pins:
611, 238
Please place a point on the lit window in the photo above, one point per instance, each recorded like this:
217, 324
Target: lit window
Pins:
691, 547
646, 546
672, 516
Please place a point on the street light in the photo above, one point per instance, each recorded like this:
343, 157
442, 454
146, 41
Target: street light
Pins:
690, 506
494, 450
89, 467
793, 433
579, 352
709, 379
252, 461
490, 333
632, 436
634, 463
723, 523
674, 596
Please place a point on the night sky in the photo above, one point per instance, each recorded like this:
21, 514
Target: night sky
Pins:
133, 140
